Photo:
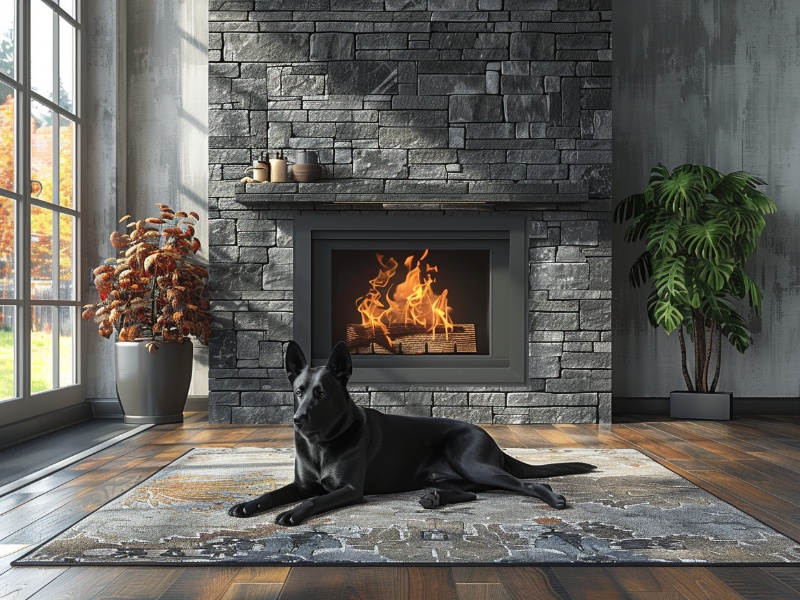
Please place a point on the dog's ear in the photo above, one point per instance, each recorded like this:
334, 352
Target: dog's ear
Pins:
340, 362
294, 361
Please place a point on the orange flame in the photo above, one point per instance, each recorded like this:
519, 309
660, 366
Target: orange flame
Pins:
413, 302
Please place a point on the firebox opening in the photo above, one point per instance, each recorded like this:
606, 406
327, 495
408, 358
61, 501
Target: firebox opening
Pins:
411, 301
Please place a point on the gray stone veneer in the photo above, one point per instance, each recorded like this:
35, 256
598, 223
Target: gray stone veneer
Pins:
414, 106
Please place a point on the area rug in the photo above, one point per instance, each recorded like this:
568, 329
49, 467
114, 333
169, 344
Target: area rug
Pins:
631, 510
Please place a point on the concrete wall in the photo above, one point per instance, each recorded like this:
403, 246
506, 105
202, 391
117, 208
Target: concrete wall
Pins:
714, 82
145, 92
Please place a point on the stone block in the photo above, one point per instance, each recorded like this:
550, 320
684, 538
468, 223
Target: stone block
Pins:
450, 399
261, 415
549, 349
525, 107
532, 46
443, 85
582, 41
270, 355
468, 414
411, 410
586, 360
544, 366
418, 398
219, 415
302, 85
492, 82
456, 137
266, 47
332, 46
475, 108
380, 163
247, 344
280, 326
413, 118
600, 273
381, 41
554, 321
229, 277
487, 399
266, 398
579, 233
413, 137
227, 123
221, 232
223, 398
362, 77
602, 124
570, 276
387, 399
595, 314
526, 399
596, 99
521, 84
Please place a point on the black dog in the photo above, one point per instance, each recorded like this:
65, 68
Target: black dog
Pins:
343, 451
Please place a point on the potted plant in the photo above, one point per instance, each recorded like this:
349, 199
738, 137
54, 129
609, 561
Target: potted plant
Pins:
153, 294
699, 227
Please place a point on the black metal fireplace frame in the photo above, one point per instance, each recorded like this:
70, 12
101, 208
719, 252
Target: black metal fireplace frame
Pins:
505, 236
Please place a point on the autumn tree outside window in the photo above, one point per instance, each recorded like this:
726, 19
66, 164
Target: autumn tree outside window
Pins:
39, 203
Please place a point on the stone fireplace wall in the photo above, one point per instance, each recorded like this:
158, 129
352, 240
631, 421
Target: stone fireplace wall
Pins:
415, 106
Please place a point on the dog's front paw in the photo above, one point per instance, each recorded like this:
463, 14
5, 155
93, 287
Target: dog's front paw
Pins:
429, 500
557, 501
289, 518
245, 509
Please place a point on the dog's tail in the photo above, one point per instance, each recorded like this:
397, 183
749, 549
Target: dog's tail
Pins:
523, 470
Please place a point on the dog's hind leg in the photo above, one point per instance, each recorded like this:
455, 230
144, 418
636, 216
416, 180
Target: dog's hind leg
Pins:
446, 494
479, 460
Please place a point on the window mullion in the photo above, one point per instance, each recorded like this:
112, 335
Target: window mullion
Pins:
24, 318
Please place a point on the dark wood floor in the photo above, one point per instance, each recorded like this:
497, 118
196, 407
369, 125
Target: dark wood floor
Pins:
752, 463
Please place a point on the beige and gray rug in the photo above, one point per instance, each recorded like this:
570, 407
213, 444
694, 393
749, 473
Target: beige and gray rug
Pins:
631, 510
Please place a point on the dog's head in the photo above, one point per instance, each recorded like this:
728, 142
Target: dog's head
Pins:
321, 401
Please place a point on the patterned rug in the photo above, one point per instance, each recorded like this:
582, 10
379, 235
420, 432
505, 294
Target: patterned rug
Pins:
631, 510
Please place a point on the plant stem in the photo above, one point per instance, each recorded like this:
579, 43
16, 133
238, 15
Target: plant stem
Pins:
698, 370
719, 359
707, 360
686, 377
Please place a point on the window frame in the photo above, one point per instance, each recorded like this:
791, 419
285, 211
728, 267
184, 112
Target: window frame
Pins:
25, 403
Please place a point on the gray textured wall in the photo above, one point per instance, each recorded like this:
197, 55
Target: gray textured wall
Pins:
145, 138
714, 82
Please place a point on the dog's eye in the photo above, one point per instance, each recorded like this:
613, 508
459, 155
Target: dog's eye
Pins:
298, 392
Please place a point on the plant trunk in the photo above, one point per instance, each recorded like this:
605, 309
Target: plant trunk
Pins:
709, 347
686, 377
699, 349
719, 360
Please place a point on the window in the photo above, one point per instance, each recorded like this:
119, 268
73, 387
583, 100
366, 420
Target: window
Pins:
39, 202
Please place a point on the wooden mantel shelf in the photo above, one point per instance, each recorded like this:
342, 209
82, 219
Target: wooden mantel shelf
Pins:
367, 193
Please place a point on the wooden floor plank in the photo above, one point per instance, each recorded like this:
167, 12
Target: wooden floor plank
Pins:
191, 582
431, 582
590, 583
754, 583
79, 582
19, 584
523, 583
253, 591
700, 583
376, 583
314, 583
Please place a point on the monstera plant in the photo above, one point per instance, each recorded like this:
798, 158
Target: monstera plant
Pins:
154, 294
700, 227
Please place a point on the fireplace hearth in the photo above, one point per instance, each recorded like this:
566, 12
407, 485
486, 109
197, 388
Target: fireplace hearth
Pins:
433, 300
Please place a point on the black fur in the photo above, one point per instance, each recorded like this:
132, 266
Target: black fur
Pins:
343, 451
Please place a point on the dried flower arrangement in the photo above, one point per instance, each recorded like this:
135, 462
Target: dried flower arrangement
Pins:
154, 290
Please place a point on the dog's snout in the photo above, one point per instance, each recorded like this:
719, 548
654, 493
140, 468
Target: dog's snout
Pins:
300, 420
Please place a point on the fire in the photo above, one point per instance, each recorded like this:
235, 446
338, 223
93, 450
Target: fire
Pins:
412, 302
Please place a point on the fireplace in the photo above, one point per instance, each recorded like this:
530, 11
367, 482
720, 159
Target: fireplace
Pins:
439, 299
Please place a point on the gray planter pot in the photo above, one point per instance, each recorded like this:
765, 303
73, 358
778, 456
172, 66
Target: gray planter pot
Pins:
697, 405
152, 388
